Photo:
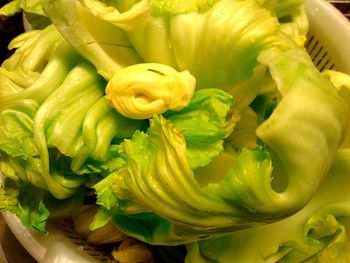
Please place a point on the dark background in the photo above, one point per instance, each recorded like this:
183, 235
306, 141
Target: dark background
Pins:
343, 6
9, 28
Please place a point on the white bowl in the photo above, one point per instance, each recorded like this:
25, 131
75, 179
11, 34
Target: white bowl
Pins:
331, 29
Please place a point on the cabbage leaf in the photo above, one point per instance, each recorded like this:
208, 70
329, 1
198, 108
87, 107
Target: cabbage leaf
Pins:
258, 186
317, 233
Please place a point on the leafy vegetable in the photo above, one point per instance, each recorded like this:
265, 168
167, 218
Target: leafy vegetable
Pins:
243, 135
32, 205
27, 203
30, 6
187, 120
178, 45
318, 233
244, 196
35, 70
292, 16
143, 90
46, 95
342, 83
104, 45
205, 123
180, 7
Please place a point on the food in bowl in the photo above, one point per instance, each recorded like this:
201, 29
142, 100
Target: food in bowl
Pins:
197, 123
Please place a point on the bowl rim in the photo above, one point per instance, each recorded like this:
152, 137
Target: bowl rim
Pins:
332, 29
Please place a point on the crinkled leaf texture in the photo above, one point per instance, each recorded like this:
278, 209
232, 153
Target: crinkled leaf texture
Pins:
54, 116
26, 203
104, 45
33, 205
217, 41
204, 124
317, 233
15, 6
39, 66
157, 186
259, 186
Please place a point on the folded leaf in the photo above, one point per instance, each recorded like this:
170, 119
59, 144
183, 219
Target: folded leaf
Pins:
146, 89
204, 124
342, 83
15, 6
103, 44
317, 233
278, 178
26, 202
